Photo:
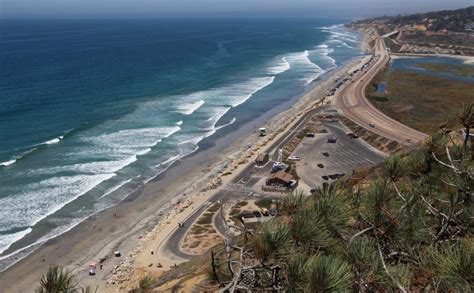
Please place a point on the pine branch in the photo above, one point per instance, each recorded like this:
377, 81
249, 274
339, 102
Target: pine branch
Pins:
387, 271
360, 233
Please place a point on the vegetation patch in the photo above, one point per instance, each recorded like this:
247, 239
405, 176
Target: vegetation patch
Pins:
457, 69
404, 226
421, 101
264, 202
202, 234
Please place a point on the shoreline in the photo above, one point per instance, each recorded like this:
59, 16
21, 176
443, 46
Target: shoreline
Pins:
104, 232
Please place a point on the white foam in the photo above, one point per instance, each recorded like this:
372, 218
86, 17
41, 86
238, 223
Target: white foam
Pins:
342, 43
216, 114
23, 209
188, 108
301, 62
7, 240
239, 95
8, 163
281, 67
169, 160
194, 141
180, 122
27, 250
131, 141
54, 140
232, 121
116, 187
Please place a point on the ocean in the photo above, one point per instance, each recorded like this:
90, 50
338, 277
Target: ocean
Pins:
90, 110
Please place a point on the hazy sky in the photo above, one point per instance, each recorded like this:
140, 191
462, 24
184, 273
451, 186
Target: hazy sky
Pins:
159, 8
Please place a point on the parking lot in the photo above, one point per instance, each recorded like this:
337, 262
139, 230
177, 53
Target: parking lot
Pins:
342, 157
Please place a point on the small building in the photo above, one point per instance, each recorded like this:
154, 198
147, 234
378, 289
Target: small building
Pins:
280, 179
262, 159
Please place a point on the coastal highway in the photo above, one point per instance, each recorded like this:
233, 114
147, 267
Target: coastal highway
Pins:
350, 100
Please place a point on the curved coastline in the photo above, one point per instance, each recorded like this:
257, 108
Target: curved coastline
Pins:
138, 211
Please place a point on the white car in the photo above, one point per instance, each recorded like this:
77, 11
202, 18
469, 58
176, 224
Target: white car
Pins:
293, 158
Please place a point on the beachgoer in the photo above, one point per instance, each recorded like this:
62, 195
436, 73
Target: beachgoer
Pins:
101, 266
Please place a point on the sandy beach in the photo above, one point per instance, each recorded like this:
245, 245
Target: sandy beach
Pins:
136, 224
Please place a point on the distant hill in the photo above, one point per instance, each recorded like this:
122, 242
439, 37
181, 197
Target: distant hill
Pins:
442, 32
458, 20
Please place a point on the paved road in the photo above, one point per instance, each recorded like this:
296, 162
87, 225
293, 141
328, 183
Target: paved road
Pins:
351, 101
173, 243
172, 246
344, 156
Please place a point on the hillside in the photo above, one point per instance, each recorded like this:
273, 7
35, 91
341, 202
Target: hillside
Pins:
402, 226
446, 32
460, 20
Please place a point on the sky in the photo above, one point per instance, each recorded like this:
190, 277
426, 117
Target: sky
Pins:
164, 8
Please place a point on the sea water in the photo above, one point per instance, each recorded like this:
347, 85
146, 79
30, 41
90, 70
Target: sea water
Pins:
92, 109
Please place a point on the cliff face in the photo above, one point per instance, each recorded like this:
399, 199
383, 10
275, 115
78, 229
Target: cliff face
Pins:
460, 20
442, 32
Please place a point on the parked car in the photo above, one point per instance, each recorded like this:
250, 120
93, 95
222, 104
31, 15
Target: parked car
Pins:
326, 154
332, 139
332, 176
352, 135
372, 125
409, 140
277, 166
325, 177
293, 158
309, 134
320, 165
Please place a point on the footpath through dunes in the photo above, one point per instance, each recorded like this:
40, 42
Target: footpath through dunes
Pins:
351, 101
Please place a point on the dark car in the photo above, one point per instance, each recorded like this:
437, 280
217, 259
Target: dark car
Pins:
339, 175
352, 135
320, 165
326, 154
333, 176
325, 177
332, 140
309, 134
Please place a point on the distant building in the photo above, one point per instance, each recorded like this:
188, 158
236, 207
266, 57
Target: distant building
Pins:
262, 159
469, 27
280, 179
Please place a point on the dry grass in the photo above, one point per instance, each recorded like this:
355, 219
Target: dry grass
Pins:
422, 101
